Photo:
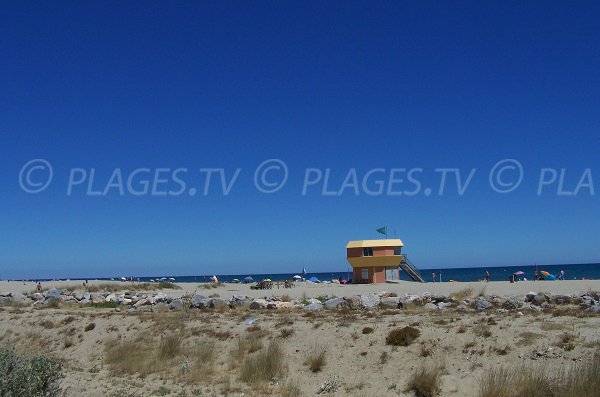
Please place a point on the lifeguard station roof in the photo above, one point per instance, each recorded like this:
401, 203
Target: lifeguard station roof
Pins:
392, 242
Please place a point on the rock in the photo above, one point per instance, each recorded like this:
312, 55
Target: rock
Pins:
258, 304
37, 297
85, 302
286, 305
218, 302
200, 301
391, 302
127, 301
314, 306
313, 300
530, 295
97, 299
444, 305
369, 301
110, 298
561, 299
497, 301
594, 309
53, 293
67, 298
538, 299
535, 308
4, 299
140, 302
430, 306
513, 303
77, 295
160, 297
18, 297
238, 300
353, 301
5, 294
176, 304
336, 303
482, 304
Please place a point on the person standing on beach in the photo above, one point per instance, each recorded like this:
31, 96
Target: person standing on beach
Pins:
433, 277
561, 276
486, 276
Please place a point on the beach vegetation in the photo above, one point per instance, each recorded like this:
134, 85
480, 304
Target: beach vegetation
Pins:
286, 332
425, 381
402, 336
89, 327
170, 346
315, 358
579, 380
367, 330
29, 375
462, 294
263, 365
290, 388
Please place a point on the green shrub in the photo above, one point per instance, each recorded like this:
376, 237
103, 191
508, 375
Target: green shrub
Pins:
29, 376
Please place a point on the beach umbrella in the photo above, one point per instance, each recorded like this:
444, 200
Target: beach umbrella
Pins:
550, 277
519, 273
235, 280
171, 278
163, 279
267, 279
123, 278
545, 274
313, 279
296, 277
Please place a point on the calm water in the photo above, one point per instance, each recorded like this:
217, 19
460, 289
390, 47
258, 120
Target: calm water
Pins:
587, 271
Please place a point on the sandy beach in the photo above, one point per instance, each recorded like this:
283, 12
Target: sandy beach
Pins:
498, 288
113, 352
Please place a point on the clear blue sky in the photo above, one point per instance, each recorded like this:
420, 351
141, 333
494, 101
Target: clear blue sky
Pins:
335, 85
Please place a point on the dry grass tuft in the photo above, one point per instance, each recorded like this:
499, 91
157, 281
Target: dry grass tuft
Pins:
290, 389
367, 330
89, 327
579, 380
286, 332
425, 381
402, 336
315, 359
462, 294
170, 346
129, 357
264, 365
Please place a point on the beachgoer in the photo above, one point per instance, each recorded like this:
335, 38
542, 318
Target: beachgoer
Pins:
39, 286
433, 277
561, 276
535, 276
487, 276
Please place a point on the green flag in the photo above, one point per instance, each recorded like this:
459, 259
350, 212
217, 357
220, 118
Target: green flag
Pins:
382, 230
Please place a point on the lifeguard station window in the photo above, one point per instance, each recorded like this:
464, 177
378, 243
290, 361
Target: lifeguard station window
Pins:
397, 250
367, 251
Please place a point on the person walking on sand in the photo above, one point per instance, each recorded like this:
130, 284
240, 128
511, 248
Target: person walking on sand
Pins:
561, 276
486, 276
433, 277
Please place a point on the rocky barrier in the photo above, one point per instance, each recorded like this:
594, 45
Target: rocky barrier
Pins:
133, 301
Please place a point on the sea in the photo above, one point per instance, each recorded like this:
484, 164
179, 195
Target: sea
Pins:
590, 271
